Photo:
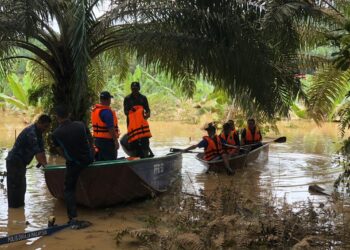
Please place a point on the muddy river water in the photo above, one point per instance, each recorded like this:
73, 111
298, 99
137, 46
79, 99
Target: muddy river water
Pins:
305, 159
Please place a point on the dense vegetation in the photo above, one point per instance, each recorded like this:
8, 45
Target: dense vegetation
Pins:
247, 49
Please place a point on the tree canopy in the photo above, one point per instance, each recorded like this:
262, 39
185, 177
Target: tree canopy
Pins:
247, 48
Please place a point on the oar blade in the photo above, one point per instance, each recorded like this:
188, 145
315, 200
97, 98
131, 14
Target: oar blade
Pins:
280, 139
175, 150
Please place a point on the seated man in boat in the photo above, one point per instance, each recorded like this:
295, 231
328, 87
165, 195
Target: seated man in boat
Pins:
233, 129
137, 112
74, 142
105, 129
213, 148
231, 139
251, 135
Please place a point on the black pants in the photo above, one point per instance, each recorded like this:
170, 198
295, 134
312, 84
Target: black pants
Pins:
70, 183
141, 147
16, 183
106, 149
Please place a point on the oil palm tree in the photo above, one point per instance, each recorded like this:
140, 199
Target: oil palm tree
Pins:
328, 93
65, 38
247, 48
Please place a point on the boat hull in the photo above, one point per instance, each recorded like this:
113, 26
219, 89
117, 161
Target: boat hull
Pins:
104, 184
257, 155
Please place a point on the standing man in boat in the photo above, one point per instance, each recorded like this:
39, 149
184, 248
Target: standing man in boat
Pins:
74, 142
231, 138
28, 144
213, 148
251, 135
137, 111
105, 128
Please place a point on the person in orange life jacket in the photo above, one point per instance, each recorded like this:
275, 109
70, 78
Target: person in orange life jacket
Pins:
105, 128
213, 149
231, 139
137, 111
251, 135
232, 124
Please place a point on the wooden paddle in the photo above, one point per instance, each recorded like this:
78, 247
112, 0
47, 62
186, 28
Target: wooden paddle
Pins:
175, 150
281, 139
237, 147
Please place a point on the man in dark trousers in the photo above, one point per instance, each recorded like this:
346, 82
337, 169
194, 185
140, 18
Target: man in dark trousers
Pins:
137, 111
74, 142
105, 128
28, 144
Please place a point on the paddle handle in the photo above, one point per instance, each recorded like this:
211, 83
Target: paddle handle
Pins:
175, 150
237, 147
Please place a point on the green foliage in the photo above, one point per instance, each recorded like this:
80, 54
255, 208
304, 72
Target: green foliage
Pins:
299, 111
66, 55
166, 96
343, 180
247, 49
328, 88
326, 95
19, 90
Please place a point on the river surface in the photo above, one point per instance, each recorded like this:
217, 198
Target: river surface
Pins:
306, 158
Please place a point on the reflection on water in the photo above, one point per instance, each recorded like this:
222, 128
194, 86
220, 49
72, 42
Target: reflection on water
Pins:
291, 167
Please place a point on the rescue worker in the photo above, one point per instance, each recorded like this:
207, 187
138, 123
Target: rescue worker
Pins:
137, 111
74, 142
105, 128
213, 148
233, 128
29, 143
231, 139
251, 135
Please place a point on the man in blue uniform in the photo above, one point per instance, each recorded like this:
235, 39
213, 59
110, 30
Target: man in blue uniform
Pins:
105, 128
28, 144
74, 142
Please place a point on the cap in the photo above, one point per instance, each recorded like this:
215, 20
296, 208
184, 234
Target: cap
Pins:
105, 95
135, 85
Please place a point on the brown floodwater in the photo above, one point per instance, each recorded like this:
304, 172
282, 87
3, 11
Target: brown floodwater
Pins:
306, 158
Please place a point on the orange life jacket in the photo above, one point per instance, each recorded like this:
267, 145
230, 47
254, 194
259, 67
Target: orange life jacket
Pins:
138, 126
213, 149
250, 138
235, 132
230, 139
99, 128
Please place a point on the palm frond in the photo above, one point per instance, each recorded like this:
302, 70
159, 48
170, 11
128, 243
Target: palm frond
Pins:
344, 113
328, 85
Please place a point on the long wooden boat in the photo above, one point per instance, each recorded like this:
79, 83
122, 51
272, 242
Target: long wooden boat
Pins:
237, 161
107, 183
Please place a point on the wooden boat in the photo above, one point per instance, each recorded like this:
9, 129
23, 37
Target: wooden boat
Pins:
237, 161
107, 183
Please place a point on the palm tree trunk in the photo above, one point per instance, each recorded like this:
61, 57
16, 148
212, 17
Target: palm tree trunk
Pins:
74, 96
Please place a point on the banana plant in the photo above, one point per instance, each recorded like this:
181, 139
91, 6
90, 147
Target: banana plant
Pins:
19, 89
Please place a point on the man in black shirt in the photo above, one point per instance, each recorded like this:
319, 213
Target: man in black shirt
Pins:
28, 144
74, 142
138, 128
134, 99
